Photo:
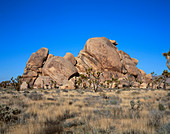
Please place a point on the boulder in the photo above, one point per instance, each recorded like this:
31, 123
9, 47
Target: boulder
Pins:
103, 51
85, 61
142, 72
107, 75
143, 85
124, 83
37, 59
113, 42
135, 61
149, 76
120, 86
141, 76
69, 85
70, 57
34, 65
135, 84
43, 82
128, 64
59, 69
50, 56
24, 86
81, 65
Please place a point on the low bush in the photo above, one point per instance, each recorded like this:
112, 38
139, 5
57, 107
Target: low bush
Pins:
161, 107
8, 114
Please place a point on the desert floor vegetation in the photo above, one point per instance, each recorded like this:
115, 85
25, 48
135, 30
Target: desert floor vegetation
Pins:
119, 111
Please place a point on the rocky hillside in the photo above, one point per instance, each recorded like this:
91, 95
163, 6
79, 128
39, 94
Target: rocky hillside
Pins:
44, 70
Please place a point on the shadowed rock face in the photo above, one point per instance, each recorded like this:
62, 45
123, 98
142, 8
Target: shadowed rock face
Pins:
128, 63
59, 69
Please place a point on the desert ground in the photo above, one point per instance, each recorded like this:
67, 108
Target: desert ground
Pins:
78, 111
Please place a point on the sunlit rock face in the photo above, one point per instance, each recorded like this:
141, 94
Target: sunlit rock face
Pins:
34, 66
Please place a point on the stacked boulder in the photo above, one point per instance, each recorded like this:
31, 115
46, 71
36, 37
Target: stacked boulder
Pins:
100, 54
34, 66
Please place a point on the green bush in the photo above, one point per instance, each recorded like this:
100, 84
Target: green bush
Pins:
8, 114
169, 94
161, 107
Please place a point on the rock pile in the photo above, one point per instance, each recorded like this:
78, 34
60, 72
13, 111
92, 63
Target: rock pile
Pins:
44, 70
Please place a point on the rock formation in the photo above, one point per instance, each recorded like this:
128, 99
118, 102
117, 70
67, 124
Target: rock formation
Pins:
24, 86
103, 51
70, 57
34, 66
100, 54
59, 69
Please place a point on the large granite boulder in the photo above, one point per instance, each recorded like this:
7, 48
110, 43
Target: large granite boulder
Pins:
50, 56
34, 65
70, 57
143, 85
103, 51
85, 61
69, 85
142, 72
149, 76
59, 69
113, 42
24, 86
43, 82
135, 84
135, 61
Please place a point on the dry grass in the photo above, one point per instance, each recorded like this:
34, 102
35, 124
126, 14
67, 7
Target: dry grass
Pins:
77, 111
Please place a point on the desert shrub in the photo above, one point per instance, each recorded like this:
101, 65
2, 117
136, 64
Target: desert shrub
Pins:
103, 95
8, 114
135, 108
135, 93
35, 96
52, 127
118, 91
114, 102
154, 118
135, 131
117, 112
168, 128
3, 129
168, 94
169, 105
161, 107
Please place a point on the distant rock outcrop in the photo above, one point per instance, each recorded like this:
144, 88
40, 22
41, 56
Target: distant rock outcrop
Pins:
100, 54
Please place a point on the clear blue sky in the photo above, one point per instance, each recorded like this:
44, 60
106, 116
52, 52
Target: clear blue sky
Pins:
141, 28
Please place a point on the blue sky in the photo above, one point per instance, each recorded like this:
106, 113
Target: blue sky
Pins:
141, 28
